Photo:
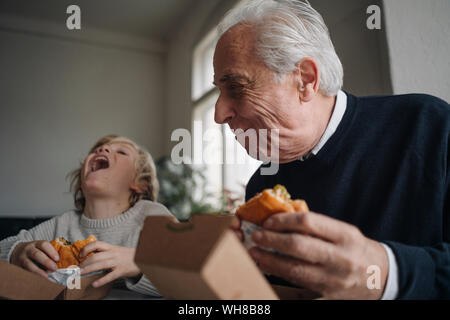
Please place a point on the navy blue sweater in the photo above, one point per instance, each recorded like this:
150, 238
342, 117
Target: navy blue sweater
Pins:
385, 170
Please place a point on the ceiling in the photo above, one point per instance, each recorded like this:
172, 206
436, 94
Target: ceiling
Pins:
148, 18
156, 19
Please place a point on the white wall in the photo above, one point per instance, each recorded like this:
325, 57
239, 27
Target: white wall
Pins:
418, 34
58, 95
363, 52
205, 16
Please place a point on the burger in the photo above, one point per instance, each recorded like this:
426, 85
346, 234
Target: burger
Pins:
69, 252
269, 202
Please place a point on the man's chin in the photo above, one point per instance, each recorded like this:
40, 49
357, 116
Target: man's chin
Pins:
276, 159
263, 157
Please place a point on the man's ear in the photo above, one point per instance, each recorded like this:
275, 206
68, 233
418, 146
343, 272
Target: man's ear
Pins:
308, 78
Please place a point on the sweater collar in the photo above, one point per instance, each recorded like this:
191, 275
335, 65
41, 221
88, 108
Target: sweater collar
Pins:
110, 222
335, 143
338, 113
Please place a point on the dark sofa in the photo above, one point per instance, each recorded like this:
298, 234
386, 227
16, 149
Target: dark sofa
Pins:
12, 226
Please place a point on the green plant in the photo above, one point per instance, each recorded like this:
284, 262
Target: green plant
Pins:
182, 190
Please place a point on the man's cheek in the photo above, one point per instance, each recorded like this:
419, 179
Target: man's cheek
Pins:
263, 111
254, 115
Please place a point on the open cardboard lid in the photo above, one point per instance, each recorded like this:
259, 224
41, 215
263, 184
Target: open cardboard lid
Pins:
195, 238
87, 291
199, 259
19, 284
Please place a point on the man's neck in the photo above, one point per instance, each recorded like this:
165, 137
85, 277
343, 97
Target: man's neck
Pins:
325, 114
104, 208
311, 131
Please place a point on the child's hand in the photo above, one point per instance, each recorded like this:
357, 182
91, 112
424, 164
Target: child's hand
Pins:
120, 260
32, 256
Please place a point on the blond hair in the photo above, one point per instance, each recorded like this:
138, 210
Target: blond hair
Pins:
145, 174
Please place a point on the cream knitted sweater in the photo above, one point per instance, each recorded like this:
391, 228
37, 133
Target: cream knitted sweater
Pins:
122, 230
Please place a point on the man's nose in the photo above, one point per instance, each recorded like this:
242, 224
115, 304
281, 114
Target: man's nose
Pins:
224, 111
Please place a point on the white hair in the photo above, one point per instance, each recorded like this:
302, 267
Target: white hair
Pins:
288, 31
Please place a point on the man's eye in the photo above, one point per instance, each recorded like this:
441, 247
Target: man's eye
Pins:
122, 152
235, 90
234, 87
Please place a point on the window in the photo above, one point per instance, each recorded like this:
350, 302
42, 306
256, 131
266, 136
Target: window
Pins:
226, 164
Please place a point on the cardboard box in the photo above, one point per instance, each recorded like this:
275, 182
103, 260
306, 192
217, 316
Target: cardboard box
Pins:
202, 259
86, 291
19, 284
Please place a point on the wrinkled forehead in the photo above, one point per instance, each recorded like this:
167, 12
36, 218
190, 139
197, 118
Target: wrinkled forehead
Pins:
235, 54
238, 38
236, 42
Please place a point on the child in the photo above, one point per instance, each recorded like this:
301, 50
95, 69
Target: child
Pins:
115, 189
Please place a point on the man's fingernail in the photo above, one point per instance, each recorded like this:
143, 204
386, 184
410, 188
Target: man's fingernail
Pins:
268, 223
56, 258
95, 284
257, 235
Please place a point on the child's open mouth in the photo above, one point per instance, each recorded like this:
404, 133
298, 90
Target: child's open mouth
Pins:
99, 163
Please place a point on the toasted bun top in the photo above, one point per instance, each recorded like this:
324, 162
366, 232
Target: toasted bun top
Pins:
269, 202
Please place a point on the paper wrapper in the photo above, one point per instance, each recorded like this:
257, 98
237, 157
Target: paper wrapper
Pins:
67, 277
247, 229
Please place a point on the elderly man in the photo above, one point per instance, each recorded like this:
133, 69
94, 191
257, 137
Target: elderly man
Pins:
375, 170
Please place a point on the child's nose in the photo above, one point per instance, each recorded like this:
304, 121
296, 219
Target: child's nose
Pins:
104, 148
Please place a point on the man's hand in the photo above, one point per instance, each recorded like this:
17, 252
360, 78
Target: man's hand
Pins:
236, 227
34, 256
120, 260
322, 254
